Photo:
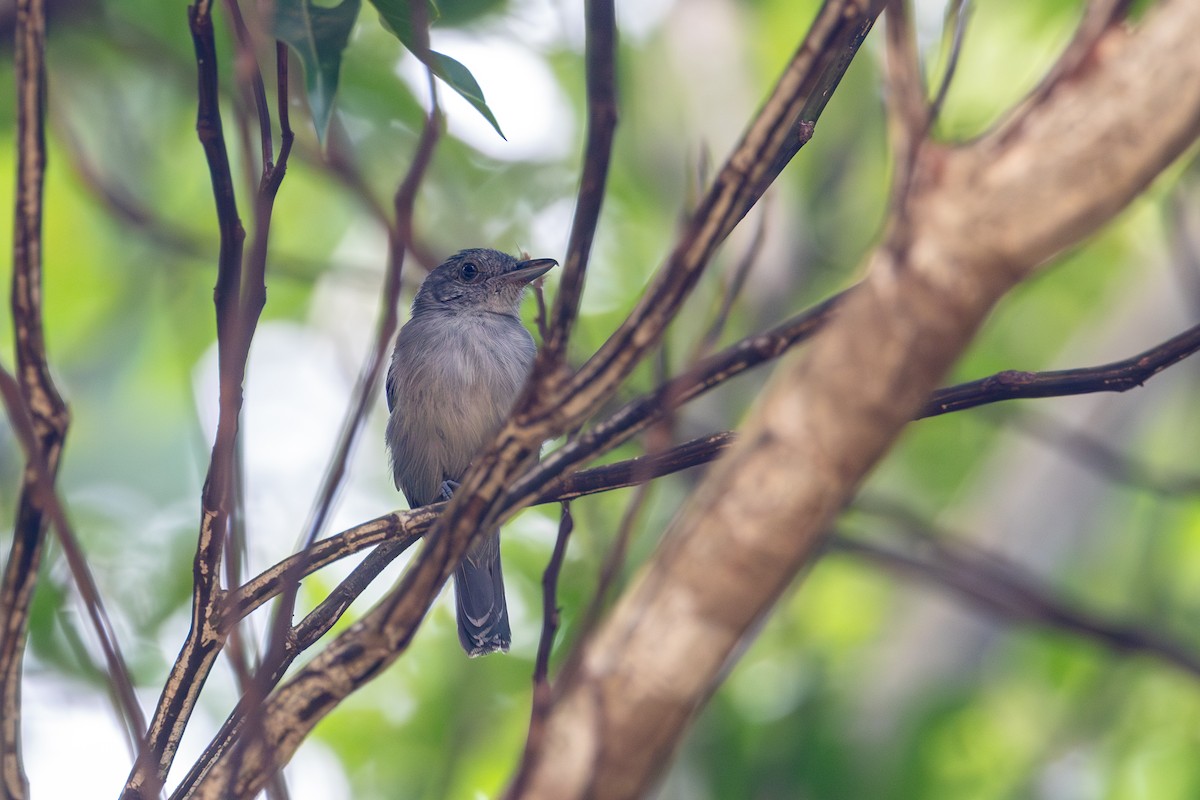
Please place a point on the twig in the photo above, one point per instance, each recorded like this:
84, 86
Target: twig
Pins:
635, 415
541, 320
909, 115
250, 77
1118, 376
1009, 592
37, 390
1099, 457
907, 105
286, 640
734, 283
1099, 18
254, 291
43, 496
781, 127
542, 695
601, 60
202, 644
614, 560
956, 16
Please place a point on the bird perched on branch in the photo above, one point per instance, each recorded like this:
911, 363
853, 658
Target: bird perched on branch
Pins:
459, 363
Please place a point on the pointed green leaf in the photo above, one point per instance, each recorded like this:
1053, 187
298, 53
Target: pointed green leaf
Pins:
460, 79
396, 16
318, 35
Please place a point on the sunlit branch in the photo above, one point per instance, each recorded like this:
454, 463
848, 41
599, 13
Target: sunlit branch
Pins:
776, 133
35, 388
202, 644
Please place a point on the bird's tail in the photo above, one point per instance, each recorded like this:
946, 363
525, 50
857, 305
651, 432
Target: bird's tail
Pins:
482, 609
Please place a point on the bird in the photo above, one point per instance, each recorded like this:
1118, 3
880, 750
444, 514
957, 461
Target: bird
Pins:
458, 365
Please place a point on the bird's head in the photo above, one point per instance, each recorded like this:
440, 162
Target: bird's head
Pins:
478, 279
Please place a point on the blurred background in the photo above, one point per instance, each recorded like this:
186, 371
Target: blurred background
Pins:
869, 681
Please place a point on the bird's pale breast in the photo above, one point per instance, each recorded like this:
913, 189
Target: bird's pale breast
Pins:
453, 379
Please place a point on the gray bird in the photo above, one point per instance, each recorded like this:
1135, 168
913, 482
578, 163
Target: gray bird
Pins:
459, 363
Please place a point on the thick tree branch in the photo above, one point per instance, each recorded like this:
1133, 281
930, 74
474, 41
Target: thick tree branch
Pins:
979, 218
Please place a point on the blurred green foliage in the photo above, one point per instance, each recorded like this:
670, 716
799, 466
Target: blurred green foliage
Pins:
864, 683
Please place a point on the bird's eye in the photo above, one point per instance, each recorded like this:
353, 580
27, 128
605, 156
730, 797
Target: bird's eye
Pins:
468, 272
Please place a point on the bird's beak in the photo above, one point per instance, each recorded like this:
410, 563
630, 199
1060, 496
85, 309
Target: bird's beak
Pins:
530, 270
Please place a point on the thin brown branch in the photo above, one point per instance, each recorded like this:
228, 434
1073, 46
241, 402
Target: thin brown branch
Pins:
601, 66
1118, 376
776, 133
541, 318
1099, 18
909, 114
372, 367
635, 415
957, 15
733, 281
907, 107
40, 482
550, 616
614, 561
254, 286
37, 390
550, 622
249, 76
203, 641
286, 640
1006, 590
1099, 457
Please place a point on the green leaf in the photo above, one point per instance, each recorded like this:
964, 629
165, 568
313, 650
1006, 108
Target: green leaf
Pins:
460, 79
396, 16
318, 35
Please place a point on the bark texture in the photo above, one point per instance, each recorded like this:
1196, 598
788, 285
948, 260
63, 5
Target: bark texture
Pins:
971, 222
